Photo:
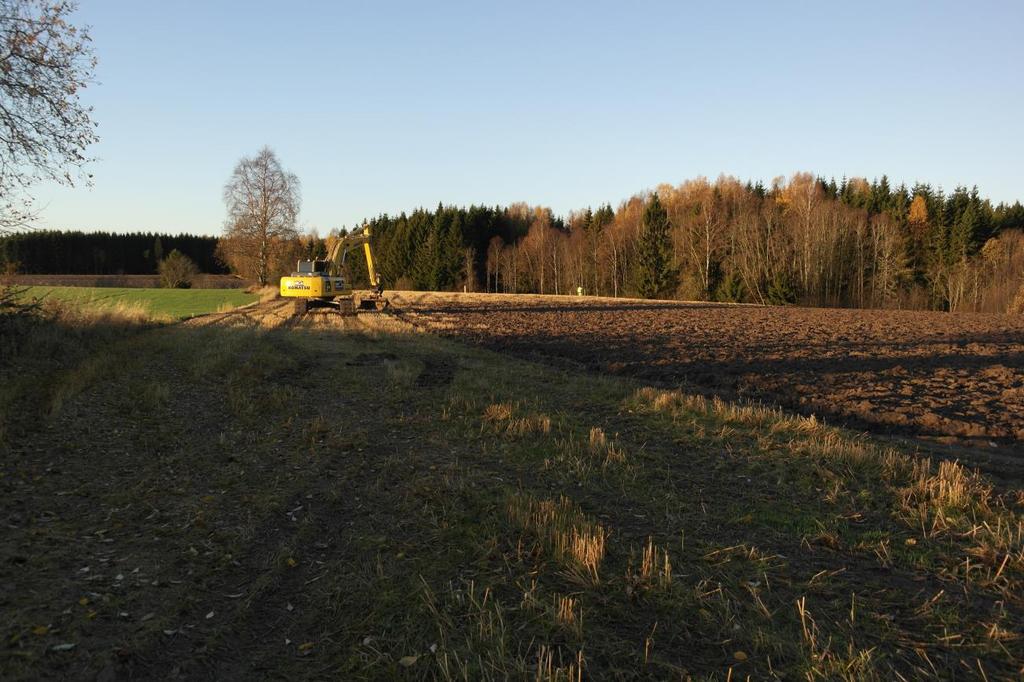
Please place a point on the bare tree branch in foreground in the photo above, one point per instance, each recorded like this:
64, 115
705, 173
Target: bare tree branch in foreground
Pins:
45, 62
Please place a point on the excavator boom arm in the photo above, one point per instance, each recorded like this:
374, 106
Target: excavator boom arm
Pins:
371, 269
346, 244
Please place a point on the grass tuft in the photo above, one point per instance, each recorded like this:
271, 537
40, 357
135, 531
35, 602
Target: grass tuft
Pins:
568, 613
499, 412
550, 668
654, 570
559, 525
502, 417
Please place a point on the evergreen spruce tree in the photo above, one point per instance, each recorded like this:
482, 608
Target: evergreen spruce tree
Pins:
424, 268
781, 290
450, 255
1007, 217
400, 252
588, 219
964, 236
424, 240
158, 251
654, 274
319, 249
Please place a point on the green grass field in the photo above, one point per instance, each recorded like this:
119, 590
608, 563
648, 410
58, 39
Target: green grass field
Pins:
175, 303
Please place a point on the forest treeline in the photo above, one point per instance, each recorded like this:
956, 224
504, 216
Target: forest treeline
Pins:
804, 240
54, 252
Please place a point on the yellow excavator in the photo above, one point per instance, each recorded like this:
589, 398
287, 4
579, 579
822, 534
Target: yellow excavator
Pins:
321, 283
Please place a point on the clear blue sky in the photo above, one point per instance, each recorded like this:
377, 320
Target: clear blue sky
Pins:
386, 106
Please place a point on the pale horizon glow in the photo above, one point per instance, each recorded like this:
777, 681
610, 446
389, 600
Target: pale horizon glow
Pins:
385, 107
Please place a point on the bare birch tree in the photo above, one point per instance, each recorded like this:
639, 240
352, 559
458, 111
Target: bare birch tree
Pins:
537, 249
493, 264
263, 204
704, 236
889, 256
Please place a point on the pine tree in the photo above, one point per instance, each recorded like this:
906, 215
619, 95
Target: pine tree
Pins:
654, 274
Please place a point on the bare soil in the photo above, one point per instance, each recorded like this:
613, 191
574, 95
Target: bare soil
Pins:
952, 377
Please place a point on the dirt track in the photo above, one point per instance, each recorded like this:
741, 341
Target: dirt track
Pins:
954, 377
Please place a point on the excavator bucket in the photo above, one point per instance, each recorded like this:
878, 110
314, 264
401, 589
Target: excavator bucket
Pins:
374, 304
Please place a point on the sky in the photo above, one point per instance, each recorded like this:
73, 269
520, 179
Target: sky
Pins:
385, 106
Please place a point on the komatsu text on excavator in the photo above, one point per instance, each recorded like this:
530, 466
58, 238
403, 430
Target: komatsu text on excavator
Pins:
321, 283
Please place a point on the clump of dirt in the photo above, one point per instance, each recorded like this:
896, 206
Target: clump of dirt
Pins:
436, 372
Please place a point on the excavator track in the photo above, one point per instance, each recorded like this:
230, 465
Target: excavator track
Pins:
342, 307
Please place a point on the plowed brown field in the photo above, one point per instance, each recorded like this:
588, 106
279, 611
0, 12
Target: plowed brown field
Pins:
955, 377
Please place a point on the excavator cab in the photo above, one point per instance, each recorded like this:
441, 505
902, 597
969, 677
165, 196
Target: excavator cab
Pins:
311, 267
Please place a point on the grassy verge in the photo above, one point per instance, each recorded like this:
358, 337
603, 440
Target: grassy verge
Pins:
170, 303
50, 351
229, 502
